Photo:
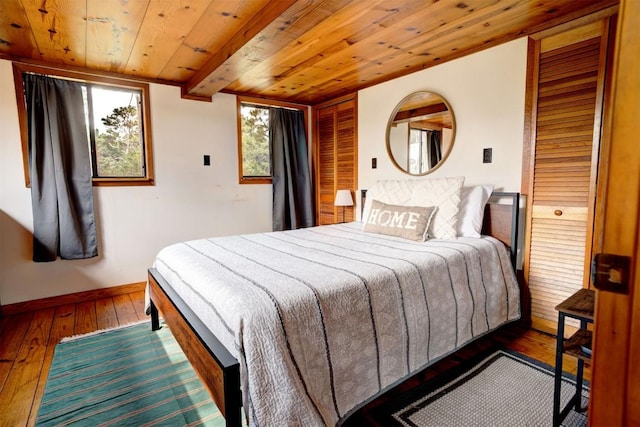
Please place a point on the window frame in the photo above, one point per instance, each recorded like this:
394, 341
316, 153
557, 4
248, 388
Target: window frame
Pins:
262, 102
19, 68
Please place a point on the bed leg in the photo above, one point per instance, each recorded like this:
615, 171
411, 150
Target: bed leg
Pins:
233, 397
234, 418
155, 317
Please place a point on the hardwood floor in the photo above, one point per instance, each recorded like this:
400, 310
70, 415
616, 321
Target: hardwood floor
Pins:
28, 340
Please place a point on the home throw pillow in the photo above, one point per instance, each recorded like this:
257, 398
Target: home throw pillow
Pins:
408, 222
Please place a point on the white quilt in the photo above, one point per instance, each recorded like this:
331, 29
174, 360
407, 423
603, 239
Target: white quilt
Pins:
323, 319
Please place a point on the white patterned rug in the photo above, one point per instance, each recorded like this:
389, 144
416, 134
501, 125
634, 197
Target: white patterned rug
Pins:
504, 389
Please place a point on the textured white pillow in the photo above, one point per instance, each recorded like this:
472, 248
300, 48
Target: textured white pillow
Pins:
391, 192
473, 201
445, 194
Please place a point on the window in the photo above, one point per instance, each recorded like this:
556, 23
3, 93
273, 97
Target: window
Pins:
115, 131
254, 156
417, 151
256, 162
116, 114
424, 150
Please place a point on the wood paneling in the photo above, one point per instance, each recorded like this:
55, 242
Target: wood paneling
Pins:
616, 389
16, 36
569, 78
336, 158
296, 50
112, 28
326, 171
346, 148
157, 52
59, 30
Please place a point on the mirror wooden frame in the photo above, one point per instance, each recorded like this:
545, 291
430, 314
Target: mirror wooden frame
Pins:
401, 107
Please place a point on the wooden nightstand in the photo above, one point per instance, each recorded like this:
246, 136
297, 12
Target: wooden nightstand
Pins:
578, 306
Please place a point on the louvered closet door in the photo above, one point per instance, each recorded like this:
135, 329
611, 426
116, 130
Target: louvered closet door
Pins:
336, 158
346, 157
569, 96
326, 182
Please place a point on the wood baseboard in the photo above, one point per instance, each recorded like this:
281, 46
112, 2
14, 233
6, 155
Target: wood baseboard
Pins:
22, 307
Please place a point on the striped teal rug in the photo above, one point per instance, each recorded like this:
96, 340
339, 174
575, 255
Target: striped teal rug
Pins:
127, 376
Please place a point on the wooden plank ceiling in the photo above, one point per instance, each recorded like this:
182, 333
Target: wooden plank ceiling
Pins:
302, 51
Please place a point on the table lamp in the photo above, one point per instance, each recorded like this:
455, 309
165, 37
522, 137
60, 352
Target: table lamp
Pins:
343, 198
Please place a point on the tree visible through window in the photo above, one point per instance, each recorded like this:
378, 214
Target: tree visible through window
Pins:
116, 114
255, 141
115, 133
254, 152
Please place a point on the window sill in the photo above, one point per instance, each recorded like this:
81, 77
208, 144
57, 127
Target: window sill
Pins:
122, 182
254, 180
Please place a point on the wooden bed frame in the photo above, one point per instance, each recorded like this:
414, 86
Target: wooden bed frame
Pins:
219, 370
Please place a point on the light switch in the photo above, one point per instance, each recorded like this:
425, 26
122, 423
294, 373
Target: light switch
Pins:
487, 155
207, 160
374, 163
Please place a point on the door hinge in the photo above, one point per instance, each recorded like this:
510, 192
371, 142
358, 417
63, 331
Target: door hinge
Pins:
610, 272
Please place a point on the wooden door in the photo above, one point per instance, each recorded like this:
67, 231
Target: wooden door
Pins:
336, 157
615, 391
568, 86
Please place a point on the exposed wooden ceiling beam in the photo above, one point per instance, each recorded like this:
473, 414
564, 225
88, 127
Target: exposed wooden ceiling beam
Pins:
257, 23
420, 112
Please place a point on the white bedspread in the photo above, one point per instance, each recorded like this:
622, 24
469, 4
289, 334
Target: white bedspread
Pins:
322, 319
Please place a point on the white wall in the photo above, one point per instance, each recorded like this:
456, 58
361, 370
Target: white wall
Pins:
486, 92
189, 200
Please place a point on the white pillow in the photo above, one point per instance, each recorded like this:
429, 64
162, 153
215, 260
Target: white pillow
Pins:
444, 193
472, 205
391, 192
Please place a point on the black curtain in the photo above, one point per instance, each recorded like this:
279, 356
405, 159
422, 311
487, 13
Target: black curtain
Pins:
60, 170
433, 144
293, 205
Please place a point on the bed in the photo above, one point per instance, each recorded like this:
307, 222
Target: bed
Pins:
311, 324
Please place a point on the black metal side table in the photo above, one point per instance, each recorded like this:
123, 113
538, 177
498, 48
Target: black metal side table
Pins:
578, 306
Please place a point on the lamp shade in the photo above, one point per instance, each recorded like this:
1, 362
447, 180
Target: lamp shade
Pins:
343, 198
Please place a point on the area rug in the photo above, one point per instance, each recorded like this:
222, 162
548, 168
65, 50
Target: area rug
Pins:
502, 389
127, 376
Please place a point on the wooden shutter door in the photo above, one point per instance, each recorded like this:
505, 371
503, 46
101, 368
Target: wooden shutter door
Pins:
568, 97
336, 157
346, 157
326, 183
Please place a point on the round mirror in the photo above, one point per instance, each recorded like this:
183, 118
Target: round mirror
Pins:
420, 133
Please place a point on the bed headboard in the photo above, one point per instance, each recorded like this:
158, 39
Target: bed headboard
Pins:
501, 219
